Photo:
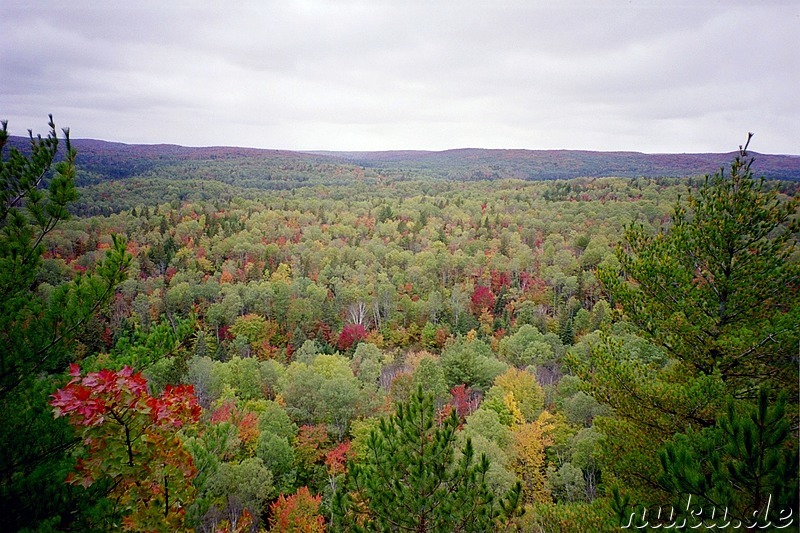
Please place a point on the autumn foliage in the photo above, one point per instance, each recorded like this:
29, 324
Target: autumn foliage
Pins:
297, 513
131, 437
350, 335
482, 299
506, 293
246, 423
464, 400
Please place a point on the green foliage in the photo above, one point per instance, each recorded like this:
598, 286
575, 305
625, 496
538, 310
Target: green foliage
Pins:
238, 487
567, 483
242, 375
717, 290
256, 331
527, 346
430, 376
499, 478
41, 328
324, 392
28, 213
367, 363
272, 419
277, 454
410, 480
560, 518
581, 409
471, 362
505, 405
746, 464
650, 406
486, 423
200, 374
164, 340
307, 352
246, 269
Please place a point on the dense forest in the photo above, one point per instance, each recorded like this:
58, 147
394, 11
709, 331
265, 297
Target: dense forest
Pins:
225, 339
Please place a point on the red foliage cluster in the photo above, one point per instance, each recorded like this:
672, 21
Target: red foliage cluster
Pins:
311, 443
534, 288
246, 422
350, 335
225, 333
482, 298
336, 459
464, 400
500, 280
130, 437
89, 400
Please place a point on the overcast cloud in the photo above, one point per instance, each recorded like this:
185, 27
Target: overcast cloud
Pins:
651, 76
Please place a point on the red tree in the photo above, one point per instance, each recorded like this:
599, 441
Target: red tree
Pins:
350, 335
130, 437
464, 400
482, 298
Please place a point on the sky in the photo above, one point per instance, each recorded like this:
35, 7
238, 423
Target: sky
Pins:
650, 76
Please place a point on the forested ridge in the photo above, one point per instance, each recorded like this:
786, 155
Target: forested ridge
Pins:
226, 339
195, 173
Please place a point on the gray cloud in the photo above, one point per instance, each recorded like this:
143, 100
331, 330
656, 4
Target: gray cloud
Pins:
640, 75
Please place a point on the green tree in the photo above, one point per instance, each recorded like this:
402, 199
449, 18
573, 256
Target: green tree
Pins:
718, 291
430, 376
746, 464
471, 362
324, 391
528, 346
367, 363
238, 490
39, 331
410, 481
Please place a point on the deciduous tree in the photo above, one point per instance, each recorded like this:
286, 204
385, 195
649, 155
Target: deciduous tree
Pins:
131, 438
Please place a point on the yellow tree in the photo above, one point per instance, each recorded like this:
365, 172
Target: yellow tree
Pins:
526, 389
529, 443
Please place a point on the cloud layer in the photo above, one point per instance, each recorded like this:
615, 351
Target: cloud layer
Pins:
640, 75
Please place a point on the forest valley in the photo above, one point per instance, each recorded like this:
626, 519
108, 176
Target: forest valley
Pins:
303, 343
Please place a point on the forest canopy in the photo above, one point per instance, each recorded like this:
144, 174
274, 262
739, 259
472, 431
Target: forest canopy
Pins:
228, 340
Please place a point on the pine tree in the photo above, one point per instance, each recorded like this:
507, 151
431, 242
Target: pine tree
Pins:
38, 329
410, 480
746, 464
719, 291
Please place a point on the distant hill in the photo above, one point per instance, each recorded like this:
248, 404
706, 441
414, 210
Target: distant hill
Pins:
475, 163
101, 161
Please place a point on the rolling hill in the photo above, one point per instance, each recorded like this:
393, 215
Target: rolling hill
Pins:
102, 160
